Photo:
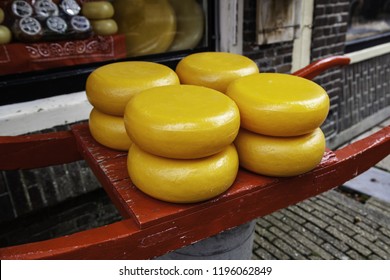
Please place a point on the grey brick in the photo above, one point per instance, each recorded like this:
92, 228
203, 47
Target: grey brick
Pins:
283, 246
261, 222
332, 222
264, 233
334, 251
272, 220
355, 255
291, 241
272, 249
314, 248
374, 257
262, 254
309, 217
351, 242
380, 252
327, 237
368, 233
289, 213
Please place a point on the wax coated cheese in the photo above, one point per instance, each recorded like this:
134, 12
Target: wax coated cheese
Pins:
109, 130
182, 121
215, 70
279, 104
182, 181
280, 156
110, 87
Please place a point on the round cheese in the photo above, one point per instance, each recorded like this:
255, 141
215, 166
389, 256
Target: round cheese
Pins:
97, 10
1, 15
109, 130
5, 35
279, 104
182, 121
215, 70
104, 27
190, 24
280, 156
149, 26
110, 87
182, 181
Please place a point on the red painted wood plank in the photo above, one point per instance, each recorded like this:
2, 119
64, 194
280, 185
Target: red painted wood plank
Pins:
146, 210
37, 150
125, 240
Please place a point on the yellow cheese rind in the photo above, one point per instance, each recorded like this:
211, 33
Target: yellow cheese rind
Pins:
5, 35
109, 130
98, 10
215, 70
182, 181
104, 27
182, 121
279, 104
280, 156
110, 87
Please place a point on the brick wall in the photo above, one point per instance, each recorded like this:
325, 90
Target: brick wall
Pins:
328, 38
43, 203
366, 90
269, 58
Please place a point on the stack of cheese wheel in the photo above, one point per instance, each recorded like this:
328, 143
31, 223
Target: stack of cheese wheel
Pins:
280, 119
5, 33
100, 14
182, 138
110, 87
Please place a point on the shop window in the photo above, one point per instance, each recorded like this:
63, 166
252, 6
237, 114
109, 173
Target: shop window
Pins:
49, 47
369, 24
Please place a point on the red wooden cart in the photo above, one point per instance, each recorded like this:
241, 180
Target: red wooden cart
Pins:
151, 227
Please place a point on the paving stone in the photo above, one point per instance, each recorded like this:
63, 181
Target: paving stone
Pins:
262, 254
341, 227
380, 252
355, 255
308, 216
327, 237
272, 220
349, 241
313, 248
374, 257
286, 248
367, 232
334, 251
289, 213
296, 244
261, 232
272, 249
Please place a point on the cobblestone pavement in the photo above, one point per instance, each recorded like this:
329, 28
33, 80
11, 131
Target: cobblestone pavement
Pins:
333, 225
328, 226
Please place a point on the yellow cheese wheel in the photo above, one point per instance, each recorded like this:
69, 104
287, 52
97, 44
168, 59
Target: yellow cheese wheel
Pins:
104, 27
190, 24
279, 104
109, 130
110, 87
5, 35
1, 15
215, 70
280, 156
97, 10
184, 180
182, 121
149, 26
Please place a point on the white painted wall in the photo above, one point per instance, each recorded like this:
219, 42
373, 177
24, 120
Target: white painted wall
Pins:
21, 118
